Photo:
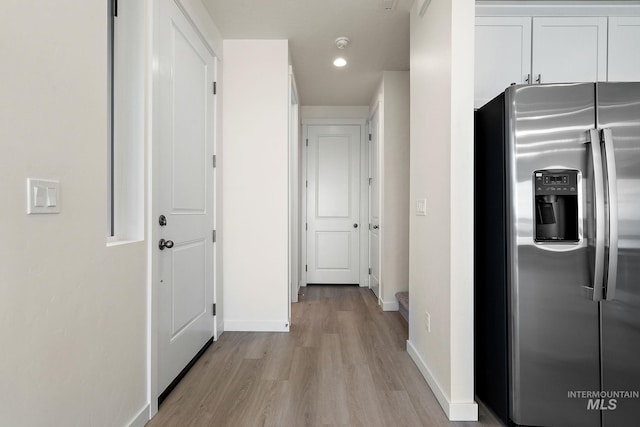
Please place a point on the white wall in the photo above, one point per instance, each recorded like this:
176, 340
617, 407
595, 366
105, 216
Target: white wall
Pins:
73, 311
441, 243
334, 112
255, 187
393, 100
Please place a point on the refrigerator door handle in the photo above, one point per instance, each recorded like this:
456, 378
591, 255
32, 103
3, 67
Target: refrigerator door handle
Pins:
612, 190
598, 184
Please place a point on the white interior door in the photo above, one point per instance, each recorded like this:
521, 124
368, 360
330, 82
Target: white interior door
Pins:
186, 195
374, 205
333, 204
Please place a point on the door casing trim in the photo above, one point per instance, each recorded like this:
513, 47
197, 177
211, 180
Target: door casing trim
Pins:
363, 276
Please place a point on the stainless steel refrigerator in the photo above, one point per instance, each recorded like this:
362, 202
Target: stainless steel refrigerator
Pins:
557, 255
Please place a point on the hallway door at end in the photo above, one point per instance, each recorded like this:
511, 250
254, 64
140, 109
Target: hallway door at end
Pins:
333, 204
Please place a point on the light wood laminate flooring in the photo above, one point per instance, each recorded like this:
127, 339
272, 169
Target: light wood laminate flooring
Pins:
344, 363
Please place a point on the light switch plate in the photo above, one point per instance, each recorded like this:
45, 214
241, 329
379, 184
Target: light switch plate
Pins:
421, 207
43, 196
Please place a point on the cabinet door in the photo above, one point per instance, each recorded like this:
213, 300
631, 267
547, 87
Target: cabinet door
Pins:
569, 49
624, 49
503, 55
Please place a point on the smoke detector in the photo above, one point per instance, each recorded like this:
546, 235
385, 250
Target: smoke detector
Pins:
342, 42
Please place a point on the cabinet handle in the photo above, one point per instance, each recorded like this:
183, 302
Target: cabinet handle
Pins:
528, 79
539, 79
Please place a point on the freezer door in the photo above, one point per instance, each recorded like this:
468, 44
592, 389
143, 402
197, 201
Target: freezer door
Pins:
553, 324
619, 111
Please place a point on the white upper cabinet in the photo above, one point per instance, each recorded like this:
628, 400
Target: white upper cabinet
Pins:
503, 55
569, 49
624, 49
544, 44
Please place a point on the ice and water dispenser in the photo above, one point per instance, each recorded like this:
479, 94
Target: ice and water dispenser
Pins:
556, 205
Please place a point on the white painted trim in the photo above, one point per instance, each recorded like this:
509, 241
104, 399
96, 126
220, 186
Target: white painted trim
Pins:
216, 51
217, 196
455, 411
141, 419
381, 182
389, 305
257, 325
329, 122
113, 241
152, 102
303, 208
364, 204
548, 8
293, 178
377, 109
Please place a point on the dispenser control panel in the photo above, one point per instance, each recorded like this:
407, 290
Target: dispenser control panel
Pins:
556, 206
558, 183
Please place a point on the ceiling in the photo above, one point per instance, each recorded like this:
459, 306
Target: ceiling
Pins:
379, 41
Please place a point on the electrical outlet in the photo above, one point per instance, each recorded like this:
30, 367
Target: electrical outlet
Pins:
427, 321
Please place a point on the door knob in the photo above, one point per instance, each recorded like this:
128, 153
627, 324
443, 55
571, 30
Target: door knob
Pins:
375, 227
355, 225
165, 244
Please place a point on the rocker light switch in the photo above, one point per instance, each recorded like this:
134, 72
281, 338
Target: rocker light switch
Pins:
52, 196
40, 196
43, 196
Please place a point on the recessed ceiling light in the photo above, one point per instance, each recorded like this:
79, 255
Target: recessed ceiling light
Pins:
339, 62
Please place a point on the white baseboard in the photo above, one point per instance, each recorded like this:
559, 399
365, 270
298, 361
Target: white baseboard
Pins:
389, 305
256, 325
141, 419
454, 411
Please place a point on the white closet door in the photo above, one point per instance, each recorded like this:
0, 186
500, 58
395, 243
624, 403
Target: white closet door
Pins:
624, 49
333, 204
569, 49
502, 55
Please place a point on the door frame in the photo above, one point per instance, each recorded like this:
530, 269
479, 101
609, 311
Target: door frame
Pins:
377, 109
294, 182
152, 174
363, 276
